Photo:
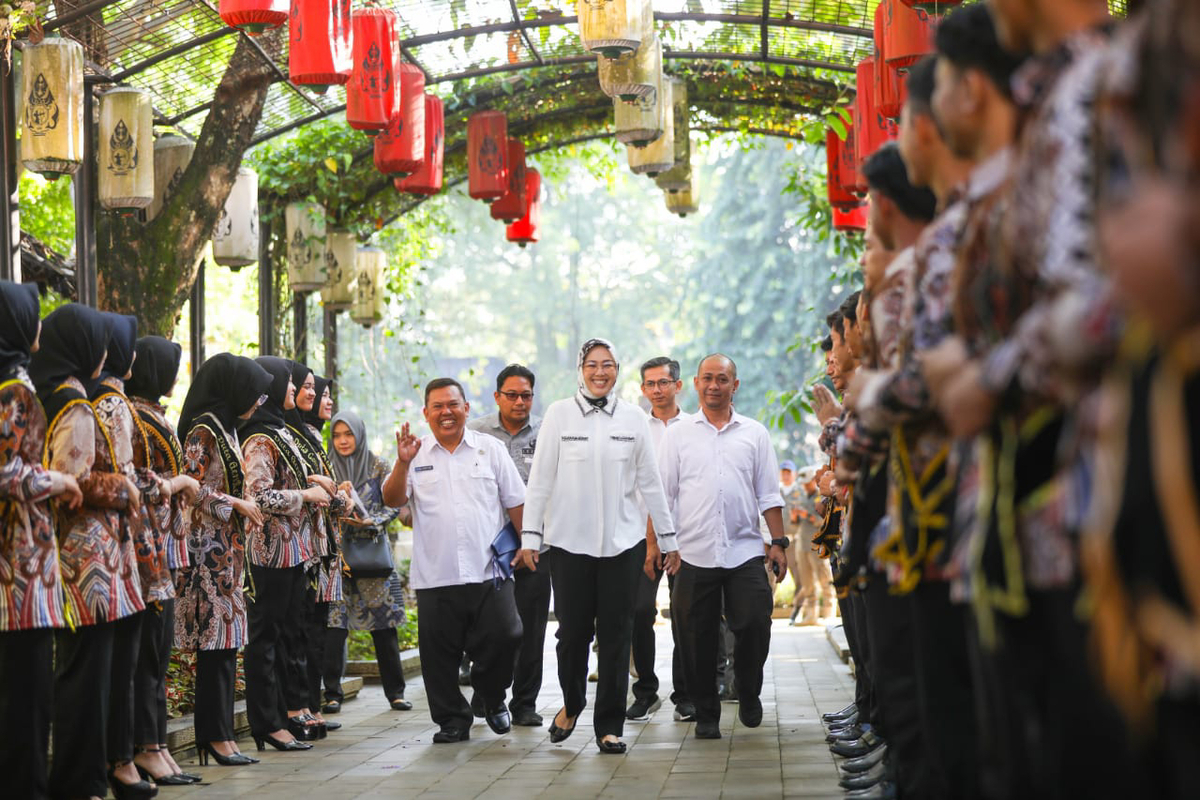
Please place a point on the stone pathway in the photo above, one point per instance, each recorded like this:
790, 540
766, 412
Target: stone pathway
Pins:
380, 753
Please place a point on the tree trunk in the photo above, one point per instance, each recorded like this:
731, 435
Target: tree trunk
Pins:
147, 269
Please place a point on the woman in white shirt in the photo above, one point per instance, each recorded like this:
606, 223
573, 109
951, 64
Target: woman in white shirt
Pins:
594, 457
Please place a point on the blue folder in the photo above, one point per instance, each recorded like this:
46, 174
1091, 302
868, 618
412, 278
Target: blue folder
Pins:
504, 550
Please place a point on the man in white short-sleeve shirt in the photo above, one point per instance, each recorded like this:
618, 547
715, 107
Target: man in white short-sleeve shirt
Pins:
458, 483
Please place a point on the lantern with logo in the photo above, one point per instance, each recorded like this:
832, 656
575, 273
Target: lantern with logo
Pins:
305, 225
525, 230
635, 73
679, 176
686, 201
400, 148
487, 155
171, 157
235, 237
641, 122
341, 255
320, 53
254, 16
126, 152
890, 88
840, 172
52, 91
428, 177
369, 299
659, 155
611, 28
871, 128
373, 93
511, 205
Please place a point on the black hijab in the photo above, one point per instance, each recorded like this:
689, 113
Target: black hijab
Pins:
313, 415
74, 340
18, 325
225, 386
155, 368
294, 416
270, 416
121, 346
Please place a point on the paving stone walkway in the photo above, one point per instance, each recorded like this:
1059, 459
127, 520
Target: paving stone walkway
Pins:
380, 753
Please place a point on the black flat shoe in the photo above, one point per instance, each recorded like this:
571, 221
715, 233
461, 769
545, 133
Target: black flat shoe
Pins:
451, 735
332, 707
331, 726
610, 748
750, 712
400, 704
558, 734
235, 760
261, 743
707, 730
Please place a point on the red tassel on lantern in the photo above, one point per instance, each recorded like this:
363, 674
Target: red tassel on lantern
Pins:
890, 89
319, 53
871, 128
840, 172
373, 93
525, 230
907, 34
850, 220
428, 177
400, 148
254, 16
511, 206
937, 7
487, 149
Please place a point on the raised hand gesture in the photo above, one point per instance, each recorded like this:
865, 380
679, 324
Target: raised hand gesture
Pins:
825, 406
407, 445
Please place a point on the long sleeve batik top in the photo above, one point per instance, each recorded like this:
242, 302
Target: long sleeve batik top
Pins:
285, 539
162, 457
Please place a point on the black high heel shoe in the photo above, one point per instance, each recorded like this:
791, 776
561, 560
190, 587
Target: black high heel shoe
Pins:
321, 725
261, 743
299, 727
558, 734
142, 790
164, 780
235, 760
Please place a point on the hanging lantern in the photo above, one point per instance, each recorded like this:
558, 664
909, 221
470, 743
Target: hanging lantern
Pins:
373, 93
871, 129
487, 148
305, 246
639, 123
511, 206
525, 230
659, 155
52, 91
254, 16
613, 27
428, 177
635, 73
935, 7
679, 176
368, 305
126, 152
235, 238
840, 170
320, 53
341, 256
171, 157
907, 34
686, 201
890, 90
850, 220
400, 148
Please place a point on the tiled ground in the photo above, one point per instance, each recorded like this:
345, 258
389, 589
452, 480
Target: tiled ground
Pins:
384, 754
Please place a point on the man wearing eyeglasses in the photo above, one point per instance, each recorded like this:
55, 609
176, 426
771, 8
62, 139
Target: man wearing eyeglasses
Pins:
515, 425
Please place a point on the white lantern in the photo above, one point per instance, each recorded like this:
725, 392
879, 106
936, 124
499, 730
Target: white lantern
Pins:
171, 157
659, 155
235, 238
684, 202
636, 73
126, 152
52, 100
679, 176
341, 255
641, 122
612, 27
305, 246
368, 287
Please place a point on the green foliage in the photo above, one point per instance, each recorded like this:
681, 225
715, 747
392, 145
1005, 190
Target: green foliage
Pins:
47, 211
360, 647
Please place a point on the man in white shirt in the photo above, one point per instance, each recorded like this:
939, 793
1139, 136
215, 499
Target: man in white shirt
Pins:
719, 474
459, 483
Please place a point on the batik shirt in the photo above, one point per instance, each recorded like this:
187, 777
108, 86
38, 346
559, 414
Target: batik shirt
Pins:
162, 458
285, 539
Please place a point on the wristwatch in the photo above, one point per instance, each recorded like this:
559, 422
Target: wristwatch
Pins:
783, 542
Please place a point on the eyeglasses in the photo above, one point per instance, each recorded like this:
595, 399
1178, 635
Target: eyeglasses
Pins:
663, 383
596, 366
513, 397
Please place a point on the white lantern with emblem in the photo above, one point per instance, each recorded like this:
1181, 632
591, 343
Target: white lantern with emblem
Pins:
235, 237
679, 176
171, 157
305, 246
636, 73
126, 152
612, 27
341, 256
52, 106
684, 202
659, 155
641, 122
369, 299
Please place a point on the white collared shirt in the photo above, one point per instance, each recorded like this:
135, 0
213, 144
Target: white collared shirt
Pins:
718, 484
657, 429
458, 502
588, 470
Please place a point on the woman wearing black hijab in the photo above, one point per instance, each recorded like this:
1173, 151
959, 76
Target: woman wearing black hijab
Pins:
31, 597
99, 567
279, 480
210, 612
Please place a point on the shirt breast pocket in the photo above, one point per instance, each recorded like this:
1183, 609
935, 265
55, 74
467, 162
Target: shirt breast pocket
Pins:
620, 445
423, 486
575, 447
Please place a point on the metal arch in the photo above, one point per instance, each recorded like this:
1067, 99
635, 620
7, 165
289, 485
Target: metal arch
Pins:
524, 32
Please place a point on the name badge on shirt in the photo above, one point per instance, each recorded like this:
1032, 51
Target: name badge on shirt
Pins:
425, 468
570, 438
621, 438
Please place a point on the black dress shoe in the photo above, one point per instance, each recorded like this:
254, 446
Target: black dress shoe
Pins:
864, 763
836, 715
842, 722
400, 704
884, 790
498, 719
449, 735
708, 730
864, 780
527, 718
750, 712
332, 726
610, 748
858, 747
332, 707
847, 734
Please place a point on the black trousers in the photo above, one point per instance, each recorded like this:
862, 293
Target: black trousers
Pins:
82, 686
476, 619
316, 623
150, 675
26, 705
387, 656
275, 619
532, 593
679, 691
216, 671
594, 598
644, 611
127, 642
854, 622
696, 608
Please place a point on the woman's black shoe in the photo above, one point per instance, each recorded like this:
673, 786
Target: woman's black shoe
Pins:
321, 726
261, 743
332, 707
235, 760
142, 790
558, 734
165, 780
306, 733
331, 726
610, 748
400, 704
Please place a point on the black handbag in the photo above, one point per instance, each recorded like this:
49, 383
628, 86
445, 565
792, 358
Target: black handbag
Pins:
367, 551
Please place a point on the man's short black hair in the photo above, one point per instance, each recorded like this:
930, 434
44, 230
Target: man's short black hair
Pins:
442, 383
827, 344
885, 173
967, 39
663, 361
834, 321
849, 308
514, 371
920, 85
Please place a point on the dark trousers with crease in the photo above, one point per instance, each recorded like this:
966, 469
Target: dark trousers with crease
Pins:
387, 656
594, 598
316, 623
696, 608
476, 619
532, 593
127, 642
273, 682
150, 676
679, 691
644, 612
26, 692
216, 671
82, 678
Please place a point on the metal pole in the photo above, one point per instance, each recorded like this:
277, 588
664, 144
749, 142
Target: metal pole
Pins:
197, 320
85, 207
10, 226
266, 288
331, 351
300, 326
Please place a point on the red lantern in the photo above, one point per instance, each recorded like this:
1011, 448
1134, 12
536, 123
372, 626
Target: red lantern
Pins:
487, 150
907, 34
524, 230
319, 52
428, 177
254, 16
890, 89
511, 206
840, 173
373, 93
400, 147
871, 128
936, 7
852, 220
